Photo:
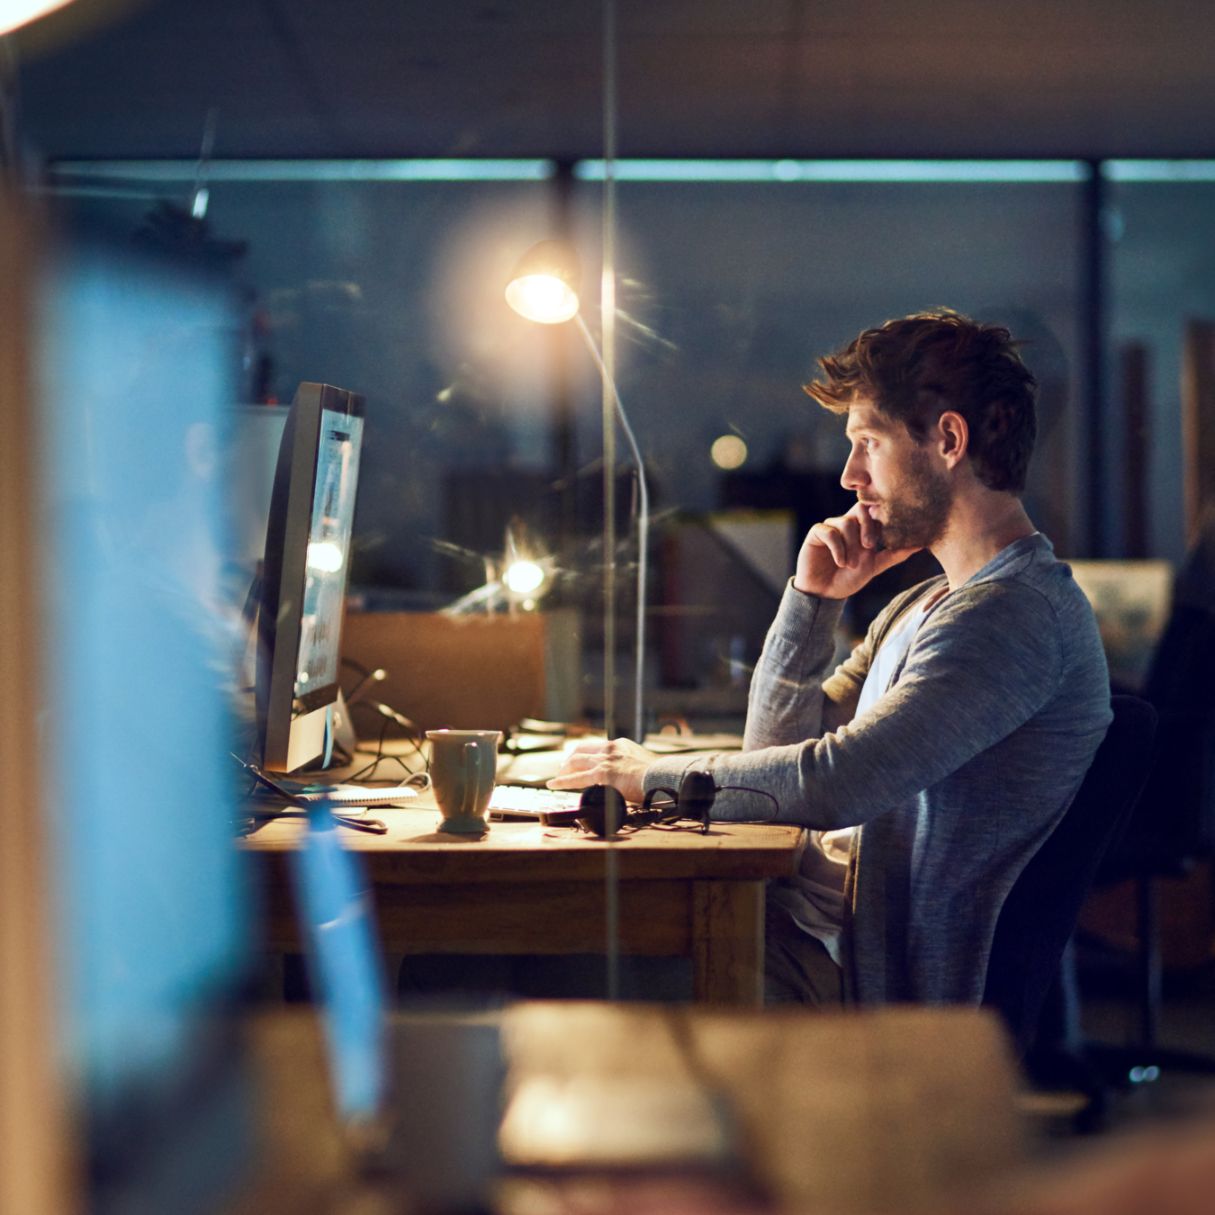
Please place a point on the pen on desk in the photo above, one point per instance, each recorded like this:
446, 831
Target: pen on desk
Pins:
373, 825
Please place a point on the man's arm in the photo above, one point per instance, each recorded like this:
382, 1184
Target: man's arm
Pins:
982, 665
790, 700
791, 697
837, 558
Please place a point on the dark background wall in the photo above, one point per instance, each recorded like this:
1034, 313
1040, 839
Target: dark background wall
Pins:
729, 290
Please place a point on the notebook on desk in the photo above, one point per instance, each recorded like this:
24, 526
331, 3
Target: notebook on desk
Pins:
309, 793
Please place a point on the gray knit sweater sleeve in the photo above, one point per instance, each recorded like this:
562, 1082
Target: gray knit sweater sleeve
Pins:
986, 659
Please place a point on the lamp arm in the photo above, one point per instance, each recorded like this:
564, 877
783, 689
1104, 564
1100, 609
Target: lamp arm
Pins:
643, 529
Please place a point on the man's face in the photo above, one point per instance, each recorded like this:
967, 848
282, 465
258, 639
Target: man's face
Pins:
896, 479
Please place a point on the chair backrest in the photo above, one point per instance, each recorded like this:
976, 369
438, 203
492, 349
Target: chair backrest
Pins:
1040, 912
1175, 821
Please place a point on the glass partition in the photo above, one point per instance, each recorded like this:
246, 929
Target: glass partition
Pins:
729, 290
394, 289
1162, 270
485, 433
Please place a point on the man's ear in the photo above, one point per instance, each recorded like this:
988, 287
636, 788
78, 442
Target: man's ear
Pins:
953, 437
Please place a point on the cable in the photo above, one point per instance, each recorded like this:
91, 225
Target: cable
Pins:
378, 675
411, 734
759, 793
697, 793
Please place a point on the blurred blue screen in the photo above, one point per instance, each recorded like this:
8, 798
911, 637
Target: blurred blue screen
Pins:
135, 378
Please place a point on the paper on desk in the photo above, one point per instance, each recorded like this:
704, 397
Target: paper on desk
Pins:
534, 767
537, 767
312, 793
669, 744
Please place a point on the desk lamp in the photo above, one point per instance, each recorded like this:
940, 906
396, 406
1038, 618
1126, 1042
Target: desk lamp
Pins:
544, 289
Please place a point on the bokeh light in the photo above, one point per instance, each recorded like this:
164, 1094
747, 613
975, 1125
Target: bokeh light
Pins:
728, 452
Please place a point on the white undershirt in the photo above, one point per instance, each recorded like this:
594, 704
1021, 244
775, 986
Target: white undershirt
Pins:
815, 898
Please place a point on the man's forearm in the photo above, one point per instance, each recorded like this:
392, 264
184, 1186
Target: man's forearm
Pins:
786, 699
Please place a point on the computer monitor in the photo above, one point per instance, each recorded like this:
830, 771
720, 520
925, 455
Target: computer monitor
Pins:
135, 368
304, 576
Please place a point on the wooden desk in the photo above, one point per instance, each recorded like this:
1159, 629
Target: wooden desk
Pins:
908, 1110
528, 889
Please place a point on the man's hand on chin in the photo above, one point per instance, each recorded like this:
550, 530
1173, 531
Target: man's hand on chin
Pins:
618, 762
842, 554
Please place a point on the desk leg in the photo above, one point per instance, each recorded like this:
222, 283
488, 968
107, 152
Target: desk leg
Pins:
728, 942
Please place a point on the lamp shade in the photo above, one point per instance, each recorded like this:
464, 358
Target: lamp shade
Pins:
544, 285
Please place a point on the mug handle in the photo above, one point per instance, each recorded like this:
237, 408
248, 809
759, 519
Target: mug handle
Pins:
470, 803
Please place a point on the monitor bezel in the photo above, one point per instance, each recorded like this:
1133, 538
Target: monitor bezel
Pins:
292, 729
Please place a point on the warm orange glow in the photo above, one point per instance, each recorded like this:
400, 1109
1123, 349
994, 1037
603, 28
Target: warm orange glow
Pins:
16, 13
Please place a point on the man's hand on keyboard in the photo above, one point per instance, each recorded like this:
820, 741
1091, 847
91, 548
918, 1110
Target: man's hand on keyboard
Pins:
618, 762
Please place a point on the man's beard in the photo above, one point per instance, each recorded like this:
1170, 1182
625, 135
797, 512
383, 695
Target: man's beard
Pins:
917, 517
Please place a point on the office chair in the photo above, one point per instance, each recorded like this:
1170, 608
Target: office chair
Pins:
1172, 827
1040, 912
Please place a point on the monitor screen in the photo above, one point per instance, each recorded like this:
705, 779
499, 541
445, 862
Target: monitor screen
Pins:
304, 576
135, 370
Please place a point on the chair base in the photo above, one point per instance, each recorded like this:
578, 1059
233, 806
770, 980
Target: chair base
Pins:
1141, 1063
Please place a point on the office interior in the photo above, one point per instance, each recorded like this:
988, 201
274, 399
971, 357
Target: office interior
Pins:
339, 195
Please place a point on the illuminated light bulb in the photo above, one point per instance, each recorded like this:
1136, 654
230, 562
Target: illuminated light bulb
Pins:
15, 13
324, 556
542, 297
544, 285
728, 451
523, 577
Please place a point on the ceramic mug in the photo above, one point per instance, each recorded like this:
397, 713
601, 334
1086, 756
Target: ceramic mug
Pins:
463, 765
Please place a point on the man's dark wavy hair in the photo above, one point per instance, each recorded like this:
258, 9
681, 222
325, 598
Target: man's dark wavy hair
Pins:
915, 368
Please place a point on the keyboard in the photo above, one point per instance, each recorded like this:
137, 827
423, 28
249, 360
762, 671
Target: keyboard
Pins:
526, 803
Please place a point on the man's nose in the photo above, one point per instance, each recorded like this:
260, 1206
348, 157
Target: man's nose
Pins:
851, 478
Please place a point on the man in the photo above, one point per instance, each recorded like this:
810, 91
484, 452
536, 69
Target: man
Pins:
933, 762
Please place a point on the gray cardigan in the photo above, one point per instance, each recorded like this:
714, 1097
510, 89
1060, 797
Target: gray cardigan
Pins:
955, 776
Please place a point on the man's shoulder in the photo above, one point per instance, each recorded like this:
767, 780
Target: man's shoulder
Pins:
996, 609
1037, 584
1034, 598
1038, 607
